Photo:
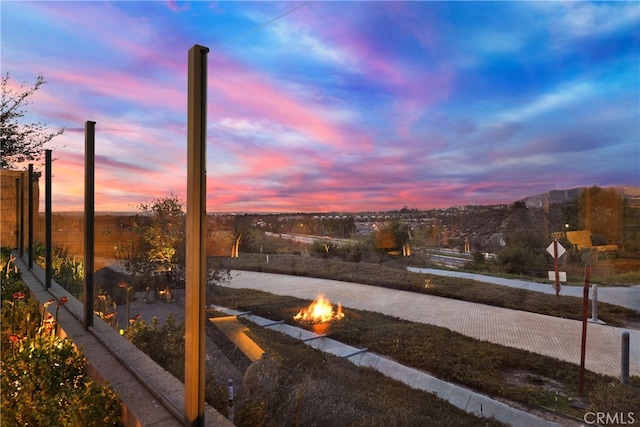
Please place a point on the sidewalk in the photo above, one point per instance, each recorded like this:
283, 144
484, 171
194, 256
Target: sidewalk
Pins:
624, 296
545, 335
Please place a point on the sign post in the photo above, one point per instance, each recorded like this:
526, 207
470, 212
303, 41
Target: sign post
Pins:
556, 250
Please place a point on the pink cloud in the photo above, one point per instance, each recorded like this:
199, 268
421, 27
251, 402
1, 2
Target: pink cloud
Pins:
122, 86
177, 6
140, 46
415, 85
255, 95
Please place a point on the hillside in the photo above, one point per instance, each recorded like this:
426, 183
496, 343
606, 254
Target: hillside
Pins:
487, 228
554, 197
537, 217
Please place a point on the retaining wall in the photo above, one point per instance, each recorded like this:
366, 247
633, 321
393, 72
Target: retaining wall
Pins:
10, 183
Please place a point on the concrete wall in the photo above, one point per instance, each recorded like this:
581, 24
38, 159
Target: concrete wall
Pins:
68, 228
68, 233
110, 231
10, 181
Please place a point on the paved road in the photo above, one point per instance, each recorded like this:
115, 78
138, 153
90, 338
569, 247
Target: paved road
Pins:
448, 260
546, 335
624, 296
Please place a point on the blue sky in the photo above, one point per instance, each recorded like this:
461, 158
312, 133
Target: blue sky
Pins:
336, 106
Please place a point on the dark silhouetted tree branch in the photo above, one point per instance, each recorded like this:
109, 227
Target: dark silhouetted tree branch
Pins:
21, 142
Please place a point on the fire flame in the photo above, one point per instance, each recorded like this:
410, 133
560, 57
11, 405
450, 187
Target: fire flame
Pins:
319, 311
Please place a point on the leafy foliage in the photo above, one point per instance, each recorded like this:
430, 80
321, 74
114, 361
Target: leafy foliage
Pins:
164, 233
158, 255
10, 277
47, 374
68, 271
520, 259
44, 379
21, 142
164, 344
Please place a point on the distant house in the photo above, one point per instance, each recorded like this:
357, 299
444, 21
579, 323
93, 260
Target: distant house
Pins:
581, 239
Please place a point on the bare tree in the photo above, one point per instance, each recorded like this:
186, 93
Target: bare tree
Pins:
21, 142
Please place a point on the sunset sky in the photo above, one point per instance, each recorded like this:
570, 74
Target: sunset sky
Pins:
335, 106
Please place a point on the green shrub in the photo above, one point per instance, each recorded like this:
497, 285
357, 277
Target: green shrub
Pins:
519, 259
10, 277
44, 381
68, 271
164, 344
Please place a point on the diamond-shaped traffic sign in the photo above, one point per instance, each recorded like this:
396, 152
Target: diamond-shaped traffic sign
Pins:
561, 249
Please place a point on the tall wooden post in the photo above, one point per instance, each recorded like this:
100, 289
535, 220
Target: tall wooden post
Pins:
30, 216
89, 218
48, 269
196, 237
22, 214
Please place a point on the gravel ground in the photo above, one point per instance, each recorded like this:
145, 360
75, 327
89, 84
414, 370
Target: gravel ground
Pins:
157, 309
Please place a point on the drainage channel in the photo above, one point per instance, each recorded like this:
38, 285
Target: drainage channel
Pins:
467, 400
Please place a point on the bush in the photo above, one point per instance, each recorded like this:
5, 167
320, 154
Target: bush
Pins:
10, 277
165, 344
44, 381
67, 271
517, 259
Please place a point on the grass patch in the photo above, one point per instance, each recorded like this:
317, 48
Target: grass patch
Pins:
501, 372
298, 385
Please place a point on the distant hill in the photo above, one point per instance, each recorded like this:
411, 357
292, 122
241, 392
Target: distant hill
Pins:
559, 197
487, 227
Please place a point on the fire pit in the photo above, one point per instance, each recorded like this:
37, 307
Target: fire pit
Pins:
319, 314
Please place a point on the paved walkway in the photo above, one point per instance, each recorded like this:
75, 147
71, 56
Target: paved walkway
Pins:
624, 296
546, 335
